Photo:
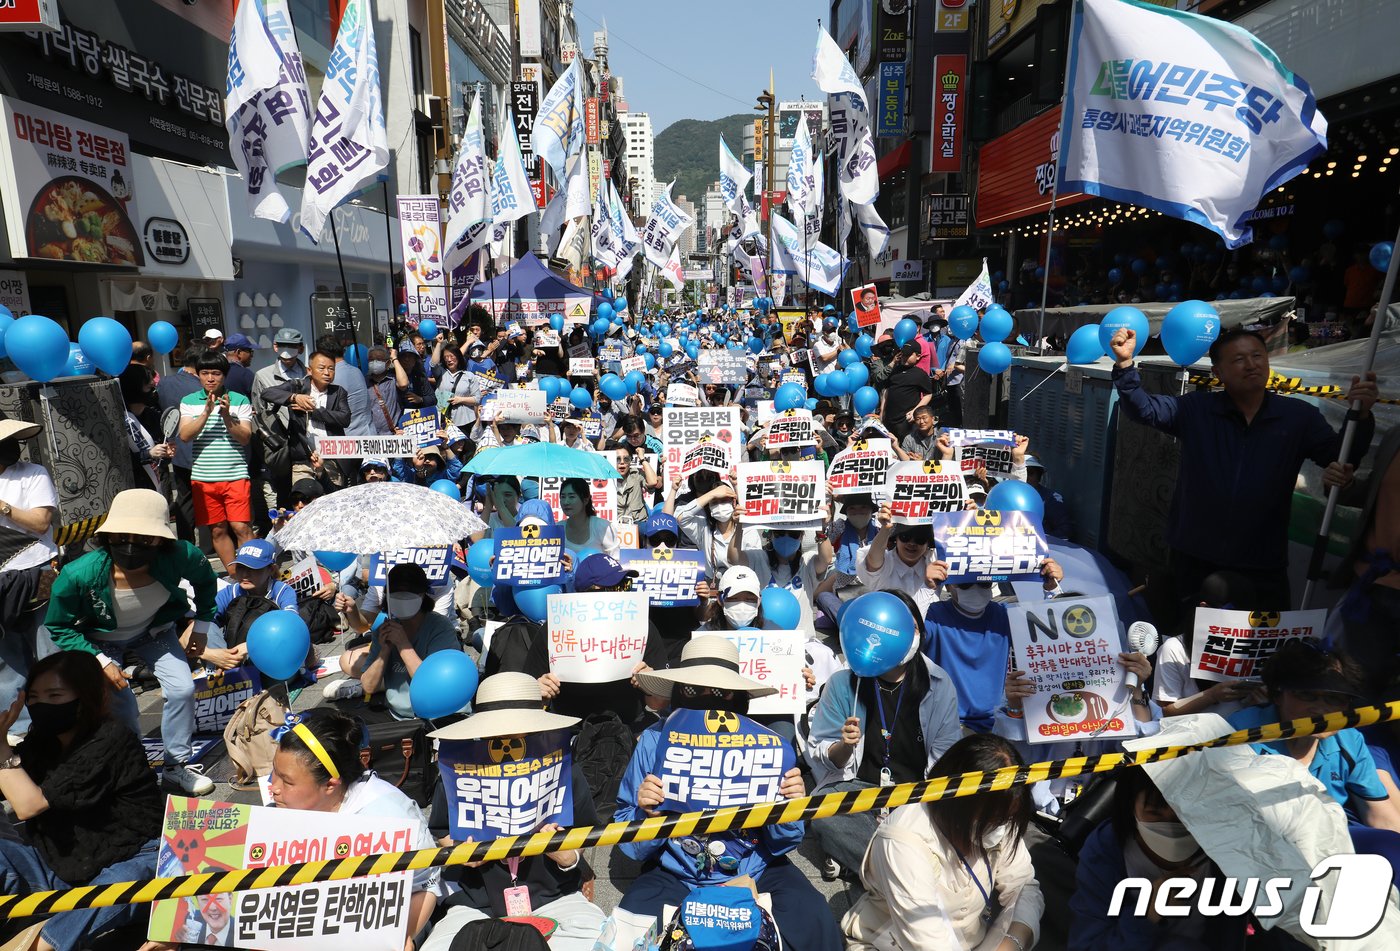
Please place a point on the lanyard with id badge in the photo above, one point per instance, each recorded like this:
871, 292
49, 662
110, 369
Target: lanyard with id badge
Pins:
517, 897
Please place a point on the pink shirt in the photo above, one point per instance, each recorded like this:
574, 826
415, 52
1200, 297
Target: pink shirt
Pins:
929, 361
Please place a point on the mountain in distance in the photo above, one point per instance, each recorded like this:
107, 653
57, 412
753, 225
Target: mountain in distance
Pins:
688, 151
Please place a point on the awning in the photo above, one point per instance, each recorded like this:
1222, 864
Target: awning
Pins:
896, 161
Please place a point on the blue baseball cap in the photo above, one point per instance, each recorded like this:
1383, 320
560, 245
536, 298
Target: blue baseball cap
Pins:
256, 553
537, 509
600, 571
373, 463
238, 342
660, 522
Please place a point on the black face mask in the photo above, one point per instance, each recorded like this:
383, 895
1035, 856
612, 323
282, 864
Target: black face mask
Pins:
53, 717
9, 452
128, 555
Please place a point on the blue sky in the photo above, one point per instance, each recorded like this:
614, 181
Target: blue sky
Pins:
669, 51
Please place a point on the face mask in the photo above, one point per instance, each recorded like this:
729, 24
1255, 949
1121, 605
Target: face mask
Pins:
722, 511
378, 367
604, 407
404, 605
786, 546
973, 601
9, 452
995, 837
858, 522
288, 355
740, 613
128, 555
54, 717
1168, 840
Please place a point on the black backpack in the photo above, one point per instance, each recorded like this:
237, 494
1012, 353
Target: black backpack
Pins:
321, 619
602, 750
512, 645
242, 611
493, 934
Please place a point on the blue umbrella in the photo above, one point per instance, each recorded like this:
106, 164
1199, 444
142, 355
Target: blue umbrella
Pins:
542, 459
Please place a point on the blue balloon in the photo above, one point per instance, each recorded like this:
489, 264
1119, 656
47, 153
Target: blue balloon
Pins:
635, 380
1013, 495
605, 311
278, 643
533, 602
613, 387
428, 329
358, 355
581, 398
1299, 274
1084, 346
162, 336
78, 363
650, 360
448, 488
994, 358
608, 293
1115, 276
866, 400
780, 608
962, 321
664, 350
789, 396
6, 319
443, 684
864, 345
822, 384
1040, 273
1188, 330
1139, 266
811, 403
847, 357
556, 322
840, 383
1259, 285
106, 343
38, 346
641, 349
1279, 242
600, 326
692, 350
619, 303
755, 345
1119, 318
663, 329
857, 374
335, 561
877, 632
905, 331
1380, 255
997, 324
479, 562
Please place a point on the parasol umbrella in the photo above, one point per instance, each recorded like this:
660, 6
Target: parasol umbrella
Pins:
378, 517
542, 459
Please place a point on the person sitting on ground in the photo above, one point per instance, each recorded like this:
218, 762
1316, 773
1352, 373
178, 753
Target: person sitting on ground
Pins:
253, 570
1174, 688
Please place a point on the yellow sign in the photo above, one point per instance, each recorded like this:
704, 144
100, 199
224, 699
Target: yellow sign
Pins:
758, 140
952, 17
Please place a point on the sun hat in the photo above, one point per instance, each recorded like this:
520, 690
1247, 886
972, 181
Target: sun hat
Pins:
709, 660
17, 428
138, 512
505, 704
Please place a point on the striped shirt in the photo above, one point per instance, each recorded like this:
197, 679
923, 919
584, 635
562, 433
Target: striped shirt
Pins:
218, 457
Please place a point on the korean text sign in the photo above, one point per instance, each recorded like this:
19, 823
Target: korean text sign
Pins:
433, 561
667, 576
791, 427
596, 637
682, 427
861, 469
422, 424
710, 456
774, 659
723, 366
781, 493
987, 545
978, 447
204, 835
603, 493
520, 406
1235, 645
365, 447
218, 693
711, 759
507, 785
918, 491
530, 556
1070, 647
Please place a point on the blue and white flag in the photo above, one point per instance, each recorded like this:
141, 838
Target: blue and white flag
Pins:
1191, 116
624, 232
469, 204
734, 178
831, 71
558, 131
877, 233
812, 222
979, 293
349, 148
858, 178
663, 229
576, 189
511, 197
817, 265
267, 109
800, 186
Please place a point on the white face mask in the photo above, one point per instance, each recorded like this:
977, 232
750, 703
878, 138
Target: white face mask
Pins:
404, 605
1168, 840
740, 613
722, 511
995, 837
858, 522
972, 601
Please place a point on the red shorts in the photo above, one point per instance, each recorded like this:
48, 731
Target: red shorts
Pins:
218, 502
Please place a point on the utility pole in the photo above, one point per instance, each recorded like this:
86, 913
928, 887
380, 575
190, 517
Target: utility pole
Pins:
768, 102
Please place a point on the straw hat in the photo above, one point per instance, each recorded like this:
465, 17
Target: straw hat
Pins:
707, 661
17, 429
138, 512
505, 705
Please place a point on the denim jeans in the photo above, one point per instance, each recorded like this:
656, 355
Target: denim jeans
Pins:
23, 870
845, 838
163, 654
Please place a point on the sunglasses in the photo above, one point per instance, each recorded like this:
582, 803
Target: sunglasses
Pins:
974, 584
911, 538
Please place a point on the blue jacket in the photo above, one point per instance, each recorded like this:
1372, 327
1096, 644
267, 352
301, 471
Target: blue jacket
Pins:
973, 651
755, 848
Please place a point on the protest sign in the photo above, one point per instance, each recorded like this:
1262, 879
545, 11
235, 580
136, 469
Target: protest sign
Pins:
367, 447
794, 376
596, 637
611, 353
304, 577
507, 785
866, 301
987, 545
682, 394
583, 366
764, 411
682, 427
488, 380
202, 835
433, 561
530, 556
520, 406
667, 576
861, 469
603, 495
708, 456
546, 338
422, 424
560, 409
781, 493
982, 447
774, 659
791, 427
712, 759
629, 364
722, 918
592, 425
1229, 646
918, 491
679, 365
1069, 647
217, 693
155, 749
723, 366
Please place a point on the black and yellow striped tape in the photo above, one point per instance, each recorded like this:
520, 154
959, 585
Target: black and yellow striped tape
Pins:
78, 531
659, 827
1278, 383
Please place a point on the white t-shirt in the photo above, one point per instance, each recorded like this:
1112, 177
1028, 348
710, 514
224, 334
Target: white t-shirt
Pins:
601, 537
801, 584
1173, 678
313, 427
372, 796
27, 486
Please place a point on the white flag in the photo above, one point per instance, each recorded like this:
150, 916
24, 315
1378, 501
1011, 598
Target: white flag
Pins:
672, 271
979, 293
858, 178
349, 147
469, 205
877, 233
843, 223
831, 71
267, 110
734, 178
817, 264
664, 227
511, 196
558, 131
624, 232
576, 188
812, 223
1185, 114
800, 185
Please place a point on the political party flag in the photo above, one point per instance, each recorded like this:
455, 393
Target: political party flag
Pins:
267, 110
817, 265
559, 131
858, 177
1191, 116
812, 221
623, 230
979, 293
800, 186
831, 71
511, 197
672, 271
349, 147
469, 204
734, 177
876, 232
664, 228
577, 198
843, 223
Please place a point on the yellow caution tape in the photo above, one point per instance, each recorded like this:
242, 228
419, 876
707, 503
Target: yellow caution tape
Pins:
78, 531
660, 827
1278, 383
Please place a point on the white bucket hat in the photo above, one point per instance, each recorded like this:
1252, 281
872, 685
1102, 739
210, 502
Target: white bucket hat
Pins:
138, 512
505, 705
17, 429
707, 661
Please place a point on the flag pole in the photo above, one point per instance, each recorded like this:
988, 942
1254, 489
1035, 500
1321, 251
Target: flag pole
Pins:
344, 284
389, 237
1055, 184
1319, 552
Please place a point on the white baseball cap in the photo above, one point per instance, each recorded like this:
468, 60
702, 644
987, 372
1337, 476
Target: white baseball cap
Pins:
738, 579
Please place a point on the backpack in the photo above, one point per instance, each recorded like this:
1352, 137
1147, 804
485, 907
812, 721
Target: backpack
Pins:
248, 740
493, 934
511, 645
321, 619
242, 611
674, 936
602, 751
